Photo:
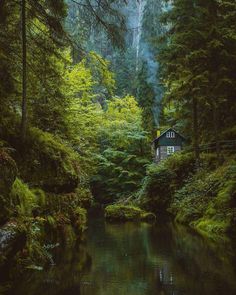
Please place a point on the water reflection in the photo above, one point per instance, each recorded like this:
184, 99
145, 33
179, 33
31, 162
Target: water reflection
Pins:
137, 259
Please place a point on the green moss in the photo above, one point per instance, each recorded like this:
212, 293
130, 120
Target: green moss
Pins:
22, 198
211, 227
127, 213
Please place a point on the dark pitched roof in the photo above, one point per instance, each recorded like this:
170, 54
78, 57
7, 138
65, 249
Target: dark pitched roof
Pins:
169, 129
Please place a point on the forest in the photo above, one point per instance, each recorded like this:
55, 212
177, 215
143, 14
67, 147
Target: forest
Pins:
88, 90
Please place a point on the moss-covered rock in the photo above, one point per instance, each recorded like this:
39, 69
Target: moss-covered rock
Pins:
127, 213
48, 163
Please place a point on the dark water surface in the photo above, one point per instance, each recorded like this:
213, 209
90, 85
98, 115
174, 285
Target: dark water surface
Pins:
137, 259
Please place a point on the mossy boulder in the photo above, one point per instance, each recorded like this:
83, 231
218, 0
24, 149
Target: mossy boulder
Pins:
48, 163
127, 213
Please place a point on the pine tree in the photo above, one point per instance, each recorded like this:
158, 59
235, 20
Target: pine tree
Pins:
146, 100
196, 65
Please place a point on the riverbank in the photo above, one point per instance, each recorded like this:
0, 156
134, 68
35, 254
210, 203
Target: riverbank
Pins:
202, 198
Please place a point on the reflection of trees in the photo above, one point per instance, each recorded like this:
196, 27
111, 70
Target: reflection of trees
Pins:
196, 267
118, 259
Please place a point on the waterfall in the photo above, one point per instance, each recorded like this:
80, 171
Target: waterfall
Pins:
140, 10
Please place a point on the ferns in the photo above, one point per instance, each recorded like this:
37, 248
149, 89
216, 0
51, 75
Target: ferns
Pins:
22, 198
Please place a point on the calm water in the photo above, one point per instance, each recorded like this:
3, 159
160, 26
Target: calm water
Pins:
137, 259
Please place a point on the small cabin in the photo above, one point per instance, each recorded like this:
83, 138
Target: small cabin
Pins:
167, 143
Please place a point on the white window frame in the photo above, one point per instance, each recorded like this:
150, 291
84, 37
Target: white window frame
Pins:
158, 152
170, 150
170, 134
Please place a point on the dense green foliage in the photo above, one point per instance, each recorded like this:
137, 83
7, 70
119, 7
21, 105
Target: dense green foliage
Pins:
203, 198
83, 88
124, 151
207, 200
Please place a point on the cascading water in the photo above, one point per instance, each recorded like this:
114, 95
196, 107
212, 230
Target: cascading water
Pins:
140, 10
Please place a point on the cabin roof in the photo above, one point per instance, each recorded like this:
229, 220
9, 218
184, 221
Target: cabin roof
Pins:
163, 133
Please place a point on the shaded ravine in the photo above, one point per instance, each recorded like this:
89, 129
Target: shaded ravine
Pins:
135, 259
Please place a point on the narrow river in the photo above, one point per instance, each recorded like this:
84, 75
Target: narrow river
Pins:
137, 259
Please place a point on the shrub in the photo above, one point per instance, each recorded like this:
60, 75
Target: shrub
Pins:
163, 180
157, 188
182, 164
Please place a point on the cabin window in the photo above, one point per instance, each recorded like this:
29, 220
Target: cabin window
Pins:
170, 150
157, 153
170, 134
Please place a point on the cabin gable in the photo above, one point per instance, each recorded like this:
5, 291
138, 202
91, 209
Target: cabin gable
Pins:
169, 138
167, 143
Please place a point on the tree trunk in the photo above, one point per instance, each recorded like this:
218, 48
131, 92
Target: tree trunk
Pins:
24, 72
195, 131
